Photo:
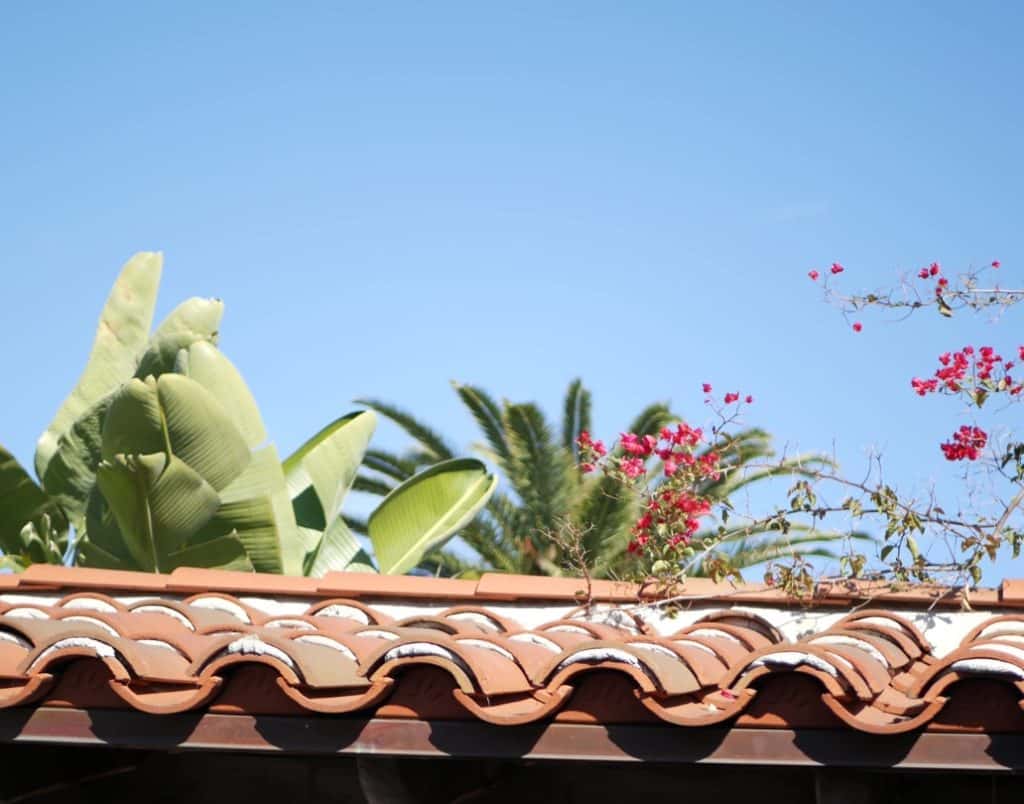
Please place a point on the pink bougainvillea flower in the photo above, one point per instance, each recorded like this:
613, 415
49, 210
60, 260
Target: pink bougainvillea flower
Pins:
749, 399
731, 397
632, 467
813, 275
837, 268
933, 269
967, 444
857, 326
995, 263
706, 387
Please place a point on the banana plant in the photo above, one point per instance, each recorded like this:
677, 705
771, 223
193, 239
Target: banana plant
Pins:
417, 516
159, 458
28, 517
168, 449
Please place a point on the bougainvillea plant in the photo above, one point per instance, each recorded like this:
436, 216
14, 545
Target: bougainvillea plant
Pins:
669, 472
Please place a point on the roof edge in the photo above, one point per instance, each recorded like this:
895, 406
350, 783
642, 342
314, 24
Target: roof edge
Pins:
492, 587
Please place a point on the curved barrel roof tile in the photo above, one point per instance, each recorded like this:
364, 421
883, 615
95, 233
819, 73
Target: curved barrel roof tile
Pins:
163, 647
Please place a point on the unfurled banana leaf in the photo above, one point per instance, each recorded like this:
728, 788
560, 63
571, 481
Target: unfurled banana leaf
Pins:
207, 365
71, 474
321, 471
176, 415
256, 507
191, 321
159, 503
335, 551
120, 339
319, 475
426, 510
23, 502
169, 448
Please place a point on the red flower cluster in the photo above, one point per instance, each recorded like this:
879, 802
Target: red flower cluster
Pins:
813, 275
674, 508
837, 268
637, 445
590, 451
677, 512
931, 270
967, 444
981, 370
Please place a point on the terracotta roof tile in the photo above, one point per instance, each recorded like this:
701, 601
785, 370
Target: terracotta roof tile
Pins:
504, 650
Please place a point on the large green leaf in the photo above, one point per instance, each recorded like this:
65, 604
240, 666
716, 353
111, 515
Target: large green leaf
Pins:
426, 510
159, 503
335, 551
120, 339
22, 502
226, 553
102, 544
175, 414
257, 508
191, 321
71, 474
207, 365
321, 471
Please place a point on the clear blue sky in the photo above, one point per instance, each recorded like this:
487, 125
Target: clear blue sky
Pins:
389, 196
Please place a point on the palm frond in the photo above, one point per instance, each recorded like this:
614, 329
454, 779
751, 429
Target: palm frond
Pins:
356, 524
506, 513
372, 485
431, 440
389, 464
603, 516
445, 564
652, 418
488, 416
576, 417
746, 555
806, 466
497, 551
539, 470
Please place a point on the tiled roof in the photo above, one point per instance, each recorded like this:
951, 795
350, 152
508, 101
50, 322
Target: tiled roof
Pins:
202, 641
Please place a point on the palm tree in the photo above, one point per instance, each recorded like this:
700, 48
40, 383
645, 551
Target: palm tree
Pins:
523, 530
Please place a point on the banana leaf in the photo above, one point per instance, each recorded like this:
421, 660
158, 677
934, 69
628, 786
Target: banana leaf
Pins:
22, 502
120, 339
426, 510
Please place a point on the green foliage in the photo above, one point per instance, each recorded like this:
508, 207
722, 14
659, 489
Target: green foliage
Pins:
159, 459
554, 514
432, 505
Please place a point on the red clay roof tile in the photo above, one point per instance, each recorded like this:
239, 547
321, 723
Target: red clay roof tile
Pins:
205, 640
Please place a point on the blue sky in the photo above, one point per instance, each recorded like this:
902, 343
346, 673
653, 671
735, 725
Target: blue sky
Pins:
388, 197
